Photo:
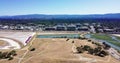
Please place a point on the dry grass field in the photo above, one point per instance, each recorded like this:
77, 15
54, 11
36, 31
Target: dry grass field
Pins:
2, 43
56, 50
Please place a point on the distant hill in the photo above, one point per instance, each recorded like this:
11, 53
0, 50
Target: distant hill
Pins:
42, 16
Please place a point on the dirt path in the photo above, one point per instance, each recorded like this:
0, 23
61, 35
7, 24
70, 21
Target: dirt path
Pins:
20, 60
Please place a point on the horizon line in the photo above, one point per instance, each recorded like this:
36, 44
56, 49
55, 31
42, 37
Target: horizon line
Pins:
59, 14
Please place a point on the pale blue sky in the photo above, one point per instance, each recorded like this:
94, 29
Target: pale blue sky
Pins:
19, 7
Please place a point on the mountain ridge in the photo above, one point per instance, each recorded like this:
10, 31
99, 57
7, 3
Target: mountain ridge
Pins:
63, 16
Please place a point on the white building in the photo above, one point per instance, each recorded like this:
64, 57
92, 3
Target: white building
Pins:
92, 29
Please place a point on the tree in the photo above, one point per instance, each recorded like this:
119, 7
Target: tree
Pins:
89, 40
86, 47
79, 37
0, 55
104, 52
67, 40
72, 41
91, 51
13, 52
4, 55
10, 58
98, 44
8, 55
98, 49
93, 42
79, 49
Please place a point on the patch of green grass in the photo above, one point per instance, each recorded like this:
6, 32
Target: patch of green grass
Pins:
101, 36
107, 38
118, 38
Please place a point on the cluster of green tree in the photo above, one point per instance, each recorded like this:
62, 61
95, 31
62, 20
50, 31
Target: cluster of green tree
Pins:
96, 43
8, 55
96, 51
105, 22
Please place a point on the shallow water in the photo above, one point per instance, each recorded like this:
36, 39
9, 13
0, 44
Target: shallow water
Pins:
59, 36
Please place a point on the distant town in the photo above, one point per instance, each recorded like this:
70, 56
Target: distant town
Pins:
93, 27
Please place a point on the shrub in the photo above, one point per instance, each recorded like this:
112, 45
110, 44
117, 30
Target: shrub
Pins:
97, 51
98, 44
32, 49
7, 55
86, 47
93, 42
82, 38
67, 40
10, 58
118, 51
13, 52
79, 37
89, 40
91, 51
79, 49
104, 52
4, 55
72, 41
0, 55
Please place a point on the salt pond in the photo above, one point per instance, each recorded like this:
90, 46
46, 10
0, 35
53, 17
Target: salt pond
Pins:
59, 36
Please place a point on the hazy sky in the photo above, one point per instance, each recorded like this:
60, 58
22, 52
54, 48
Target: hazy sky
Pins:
19, 7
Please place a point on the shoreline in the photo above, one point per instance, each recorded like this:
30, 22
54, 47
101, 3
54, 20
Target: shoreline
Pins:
12, 44
17, 38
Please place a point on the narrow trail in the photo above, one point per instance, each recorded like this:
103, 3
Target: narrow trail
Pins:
20, 60
23, 56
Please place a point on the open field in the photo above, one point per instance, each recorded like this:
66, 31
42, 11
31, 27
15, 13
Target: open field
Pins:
60, 51
57, 50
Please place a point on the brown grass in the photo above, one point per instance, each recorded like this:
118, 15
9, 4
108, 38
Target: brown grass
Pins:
57, 51
3, 43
